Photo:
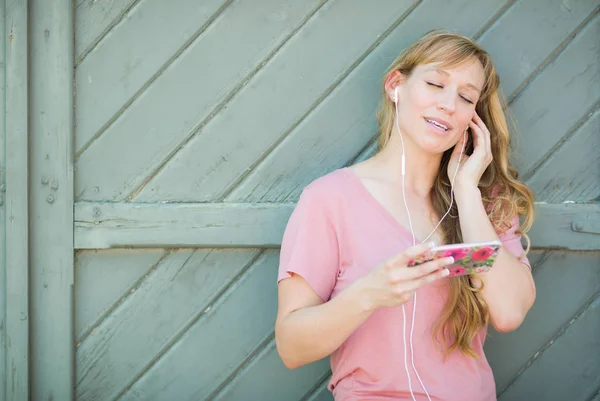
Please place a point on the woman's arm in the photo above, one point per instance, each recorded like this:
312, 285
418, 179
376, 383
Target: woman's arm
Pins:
509, 289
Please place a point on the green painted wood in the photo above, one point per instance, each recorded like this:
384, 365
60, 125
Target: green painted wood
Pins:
161, 309
564, 93
234, 225
94, 19
573, 273
105, 278
288, 87
3, 39
573, 171
567, 226
218, 345
213, 68
322, 393
151, 36
529, 33
347, 115
570, 368
51, 200
14, 193
266, 378
99, 225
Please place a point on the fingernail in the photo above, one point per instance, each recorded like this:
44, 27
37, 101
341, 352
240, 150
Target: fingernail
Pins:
431, 244
450, 259
445, 272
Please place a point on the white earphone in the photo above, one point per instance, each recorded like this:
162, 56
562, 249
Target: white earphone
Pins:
414, 243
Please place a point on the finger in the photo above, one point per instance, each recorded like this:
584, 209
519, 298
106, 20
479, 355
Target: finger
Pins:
478, 140
428, 268
430, 278
486, 133
410, 254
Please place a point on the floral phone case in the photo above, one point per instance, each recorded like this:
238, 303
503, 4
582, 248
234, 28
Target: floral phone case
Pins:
468, 258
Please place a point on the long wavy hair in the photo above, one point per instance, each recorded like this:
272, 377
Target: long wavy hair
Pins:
504, 196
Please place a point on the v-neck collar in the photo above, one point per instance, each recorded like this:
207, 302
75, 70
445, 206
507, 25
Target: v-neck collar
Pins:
382, 210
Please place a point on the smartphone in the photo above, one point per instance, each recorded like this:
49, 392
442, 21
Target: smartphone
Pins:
475, 257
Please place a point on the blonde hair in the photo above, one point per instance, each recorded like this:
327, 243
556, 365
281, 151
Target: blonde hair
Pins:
504, 196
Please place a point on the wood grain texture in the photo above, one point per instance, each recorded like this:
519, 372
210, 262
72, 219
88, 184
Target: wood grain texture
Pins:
105, 225
144, 43
341, 125
175, 294
569, 369
185, 95
233, 225
51, 200
274, 100
561, 95
104, 278
572, 172
219, 343
3, 40
94, 19
14, 192
559, 273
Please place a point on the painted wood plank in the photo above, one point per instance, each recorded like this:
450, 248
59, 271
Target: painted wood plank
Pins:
266, 378
94, 19
285, 90
322, 393
104, 278
51, 200
569, 369
3, 287
14, 193
146, 41
529, 33
573, 171
567, 226
105, 225
213, 348
173, 296
562, 95
575, 275
347, 115
232, 225
211, 70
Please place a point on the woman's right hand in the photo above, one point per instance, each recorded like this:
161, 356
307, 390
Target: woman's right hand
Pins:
393, 282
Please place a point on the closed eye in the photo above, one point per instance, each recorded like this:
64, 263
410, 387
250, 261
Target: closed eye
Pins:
441, 87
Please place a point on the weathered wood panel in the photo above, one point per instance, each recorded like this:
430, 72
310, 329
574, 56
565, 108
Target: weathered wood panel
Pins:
185, 95
161, 309
219, 344
572, 172
347, 115
104, 278
569, 369
556, 273
288, 86
51, 201
14, 213
105, 89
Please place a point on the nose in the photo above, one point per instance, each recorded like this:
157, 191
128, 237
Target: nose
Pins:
447, 102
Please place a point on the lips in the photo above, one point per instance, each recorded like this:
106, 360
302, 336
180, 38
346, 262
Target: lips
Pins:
438, 123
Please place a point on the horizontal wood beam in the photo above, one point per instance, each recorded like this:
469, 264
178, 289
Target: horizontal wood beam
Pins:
111, 225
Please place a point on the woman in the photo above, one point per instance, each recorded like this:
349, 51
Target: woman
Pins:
345, 288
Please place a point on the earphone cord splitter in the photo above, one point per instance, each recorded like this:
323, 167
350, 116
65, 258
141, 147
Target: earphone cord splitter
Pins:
414, 243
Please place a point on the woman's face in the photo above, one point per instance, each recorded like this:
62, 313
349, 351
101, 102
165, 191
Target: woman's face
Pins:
435, 104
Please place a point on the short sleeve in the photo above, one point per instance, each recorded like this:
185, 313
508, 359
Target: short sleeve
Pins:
309, 246
511, 240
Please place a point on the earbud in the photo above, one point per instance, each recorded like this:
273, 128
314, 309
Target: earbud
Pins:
396, 95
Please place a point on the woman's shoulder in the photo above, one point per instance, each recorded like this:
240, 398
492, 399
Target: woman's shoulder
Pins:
329, 187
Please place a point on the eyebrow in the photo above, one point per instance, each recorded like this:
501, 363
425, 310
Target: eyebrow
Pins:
442, 72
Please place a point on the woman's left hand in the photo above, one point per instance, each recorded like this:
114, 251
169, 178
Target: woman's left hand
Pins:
471, 167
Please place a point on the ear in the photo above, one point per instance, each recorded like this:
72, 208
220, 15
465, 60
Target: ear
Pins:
393, 79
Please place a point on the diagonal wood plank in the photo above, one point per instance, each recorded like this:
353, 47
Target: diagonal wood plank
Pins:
335, 131
143, 45
197, 84
236, 137
563, 177
213, 348
94, 20
178, 290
